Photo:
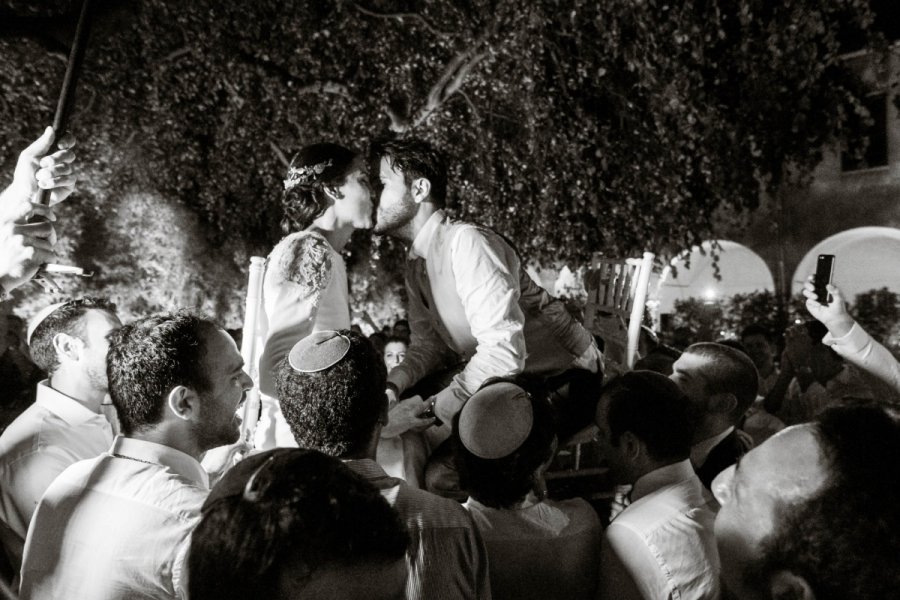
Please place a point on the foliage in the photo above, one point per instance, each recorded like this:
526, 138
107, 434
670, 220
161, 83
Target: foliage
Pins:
616, 125
877, 311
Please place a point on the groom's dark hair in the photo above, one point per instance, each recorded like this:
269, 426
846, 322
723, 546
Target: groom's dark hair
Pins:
415, 158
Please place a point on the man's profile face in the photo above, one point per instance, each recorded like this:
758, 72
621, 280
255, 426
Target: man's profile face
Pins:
95, 326
396, 206
689, 374
218, 423
785, 470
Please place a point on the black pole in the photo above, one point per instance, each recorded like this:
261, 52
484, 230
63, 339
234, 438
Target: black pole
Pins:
67, 93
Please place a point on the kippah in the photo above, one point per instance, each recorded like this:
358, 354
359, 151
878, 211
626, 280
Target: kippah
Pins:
496, 420
40, 317
318, 351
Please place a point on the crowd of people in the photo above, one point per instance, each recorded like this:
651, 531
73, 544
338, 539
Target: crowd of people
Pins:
412, 463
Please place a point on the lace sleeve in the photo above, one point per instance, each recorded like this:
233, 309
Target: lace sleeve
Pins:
303, 259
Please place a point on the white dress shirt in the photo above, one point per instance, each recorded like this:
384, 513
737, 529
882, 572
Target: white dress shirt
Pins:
663, 541
470, 300
53, 433
543, 550
116, 526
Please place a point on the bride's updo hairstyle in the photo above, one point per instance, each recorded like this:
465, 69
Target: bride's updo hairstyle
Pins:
313, 168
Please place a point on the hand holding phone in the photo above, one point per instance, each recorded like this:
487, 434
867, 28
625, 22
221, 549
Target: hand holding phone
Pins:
824, 273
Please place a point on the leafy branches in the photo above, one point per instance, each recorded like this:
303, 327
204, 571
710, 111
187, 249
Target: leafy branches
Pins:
573, 125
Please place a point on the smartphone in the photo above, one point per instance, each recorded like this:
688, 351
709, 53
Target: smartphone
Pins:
429, 412
824, 273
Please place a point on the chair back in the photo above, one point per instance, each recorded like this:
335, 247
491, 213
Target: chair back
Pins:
616, 298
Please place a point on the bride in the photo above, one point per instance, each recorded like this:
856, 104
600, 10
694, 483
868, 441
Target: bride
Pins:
326, 198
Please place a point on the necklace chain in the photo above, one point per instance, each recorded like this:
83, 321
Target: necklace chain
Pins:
146, 462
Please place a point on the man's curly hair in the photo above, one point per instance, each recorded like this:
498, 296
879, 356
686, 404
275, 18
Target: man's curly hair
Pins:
335, 410
149, 357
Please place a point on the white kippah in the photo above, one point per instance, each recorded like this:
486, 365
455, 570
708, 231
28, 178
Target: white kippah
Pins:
318, 351
40, 317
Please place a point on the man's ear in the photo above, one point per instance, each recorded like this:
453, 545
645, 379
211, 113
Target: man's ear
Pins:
723, 403
67, 345
421, 188
183, 402
631, 446
787, 585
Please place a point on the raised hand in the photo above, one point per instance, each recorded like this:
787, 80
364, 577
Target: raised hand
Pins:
833, 315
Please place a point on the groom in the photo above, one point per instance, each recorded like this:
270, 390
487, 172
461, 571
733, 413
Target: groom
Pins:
474, 312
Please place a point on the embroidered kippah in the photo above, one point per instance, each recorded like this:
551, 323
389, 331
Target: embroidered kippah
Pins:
318, 351
40, 317
496, 420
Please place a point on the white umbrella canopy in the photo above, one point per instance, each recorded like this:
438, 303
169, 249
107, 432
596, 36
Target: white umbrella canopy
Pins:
866, 258
742, 271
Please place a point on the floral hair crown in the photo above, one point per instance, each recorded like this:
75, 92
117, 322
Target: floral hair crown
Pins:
305, 175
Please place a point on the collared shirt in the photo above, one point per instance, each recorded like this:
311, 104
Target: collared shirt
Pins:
544, 550
700, 451
858, 347
53, 433
116, 526
801, 406
663, 542
446, 558
471, 300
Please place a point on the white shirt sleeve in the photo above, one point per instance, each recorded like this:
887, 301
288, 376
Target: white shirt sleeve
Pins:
860, 349
24, 484
628, 564
487, 282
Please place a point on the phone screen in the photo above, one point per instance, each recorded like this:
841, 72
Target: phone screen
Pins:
824, 273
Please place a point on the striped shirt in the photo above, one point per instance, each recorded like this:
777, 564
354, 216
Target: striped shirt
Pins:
446, 557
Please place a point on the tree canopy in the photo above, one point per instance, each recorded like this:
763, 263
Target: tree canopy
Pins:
572, 126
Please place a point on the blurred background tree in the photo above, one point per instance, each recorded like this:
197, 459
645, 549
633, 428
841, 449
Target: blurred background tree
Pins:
572, 125
700, 320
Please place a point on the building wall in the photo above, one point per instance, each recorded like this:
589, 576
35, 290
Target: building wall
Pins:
836, 200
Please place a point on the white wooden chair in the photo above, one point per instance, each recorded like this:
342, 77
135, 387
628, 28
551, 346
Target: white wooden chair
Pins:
616, 298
